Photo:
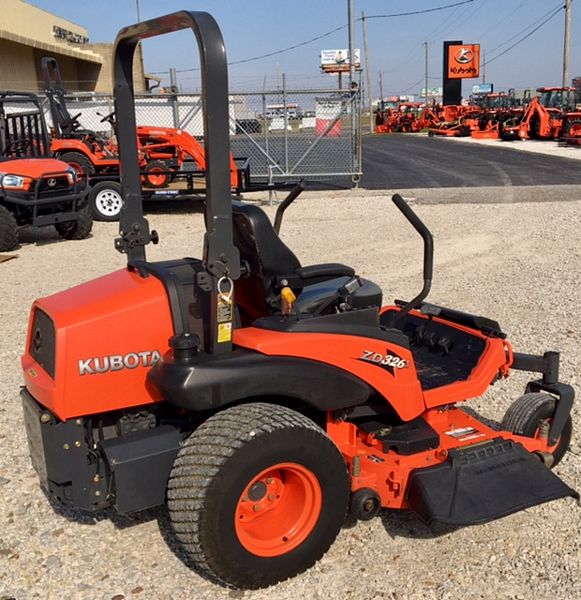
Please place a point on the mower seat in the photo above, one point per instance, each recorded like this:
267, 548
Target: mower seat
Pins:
274, 264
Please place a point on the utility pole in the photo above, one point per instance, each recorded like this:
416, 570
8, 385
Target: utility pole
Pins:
426, 72
138, 11
483, 66
351, 4
567, 45
380, 80
367, 72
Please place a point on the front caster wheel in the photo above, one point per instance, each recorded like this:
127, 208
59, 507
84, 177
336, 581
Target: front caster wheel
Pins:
525, 416
257, 494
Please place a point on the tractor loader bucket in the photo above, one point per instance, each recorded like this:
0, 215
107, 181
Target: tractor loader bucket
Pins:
482, 483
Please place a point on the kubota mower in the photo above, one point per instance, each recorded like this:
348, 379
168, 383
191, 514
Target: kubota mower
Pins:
263, 399
35, 188
162, 151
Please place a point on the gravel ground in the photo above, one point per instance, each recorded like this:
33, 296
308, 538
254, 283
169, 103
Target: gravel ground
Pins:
518, 263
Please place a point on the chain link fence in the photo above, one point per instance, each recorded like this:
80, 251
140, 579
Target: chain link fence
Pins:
286, 135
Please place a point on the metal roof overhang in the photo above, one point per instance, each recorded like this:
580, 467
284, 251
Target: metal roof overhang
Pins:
86, 55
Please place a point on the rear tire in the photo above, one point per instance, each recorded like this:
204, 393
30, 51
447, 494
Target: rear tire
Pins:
249, 481
572, 129
106, 201
524, 415
79, 229
8, 230
79, 162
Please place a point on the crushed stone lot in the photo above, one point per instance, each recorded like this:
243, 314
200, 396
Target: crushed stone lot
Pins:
518, 263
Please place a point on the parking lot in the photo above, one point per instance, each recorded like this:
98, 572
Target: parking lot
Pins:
514, 260
404, 161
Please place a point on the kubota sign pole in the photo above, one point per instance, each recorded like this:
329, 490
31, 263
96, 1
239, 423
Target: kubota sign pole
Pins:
451, 88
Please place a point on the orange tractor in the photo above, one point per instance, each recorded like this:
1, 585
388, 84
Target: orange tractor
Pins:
550, 115
162, 151
406, 118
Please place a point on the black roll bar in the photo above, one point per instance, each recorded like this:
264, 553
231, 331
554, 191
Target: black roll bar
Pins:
220, 255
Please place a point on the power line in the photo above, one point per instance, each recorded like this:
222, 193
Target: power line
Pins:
502, 20
528, 35
550, 12
328, 33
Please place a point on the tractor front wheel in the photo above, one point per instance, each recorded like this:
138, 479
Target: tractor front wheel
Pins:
79, 229
257, 494
525, 415
156, 175
8, 230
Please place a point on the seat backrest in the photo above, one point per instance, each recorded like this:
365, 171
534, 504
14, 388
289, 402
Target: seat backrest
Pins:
259, 244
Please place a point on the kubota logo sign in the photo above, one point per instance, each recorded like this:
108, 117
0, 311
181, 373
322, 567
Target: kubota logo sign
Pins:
464, 56
463, 61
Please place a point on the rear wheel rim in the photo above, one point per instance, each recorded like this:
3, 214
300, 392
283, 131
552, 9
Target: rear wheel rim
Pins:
108, 202
278, 510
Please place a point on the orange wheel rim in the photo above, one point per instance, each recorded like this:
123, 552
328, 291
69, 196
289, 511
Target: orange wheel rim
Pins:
575, 130
156, 176
77, 168
278, 509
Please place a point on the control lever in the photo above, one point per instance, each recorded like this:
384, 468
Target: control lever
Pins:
419, 226
294, 193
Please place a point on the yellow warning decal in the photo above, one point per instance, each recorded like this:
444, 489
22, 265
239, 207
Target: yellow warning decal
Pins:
224, 332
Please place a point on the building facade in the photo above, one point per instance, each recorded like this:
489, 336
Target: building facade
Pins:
28, 33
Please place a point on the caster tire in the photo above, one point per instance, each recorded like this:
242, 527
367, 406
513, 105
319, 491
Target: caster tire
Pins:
525, 414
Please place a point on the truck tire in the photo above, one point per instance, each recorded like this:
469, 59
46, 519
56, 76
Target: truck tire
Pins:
257, 494
106, 201
8, 230
79, 161
79, 229
525, 413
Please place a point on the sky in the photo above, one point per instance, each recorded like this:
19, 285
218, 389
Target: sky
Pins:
396, 44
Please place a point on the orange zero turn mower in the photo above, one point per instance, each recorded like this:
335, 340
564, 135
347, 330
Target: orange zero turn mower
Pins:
264, 400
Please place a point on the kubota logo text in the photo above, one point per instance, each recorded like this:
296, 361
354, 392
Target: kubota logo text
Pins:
464, 56
117, 362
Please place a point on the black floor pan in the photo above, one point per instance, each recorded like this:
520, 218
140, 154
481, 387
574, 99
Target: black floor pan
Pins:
483, 483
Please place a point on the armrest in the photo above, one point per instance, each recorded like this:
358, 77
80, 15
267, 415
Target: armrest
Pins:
326, 271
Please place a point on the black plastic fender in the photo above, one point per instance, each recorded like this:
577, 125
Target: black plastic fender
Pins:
209, 382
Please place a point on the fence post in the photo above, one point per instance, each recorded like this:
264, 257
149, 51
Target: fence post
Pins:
284, 103
173, 80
